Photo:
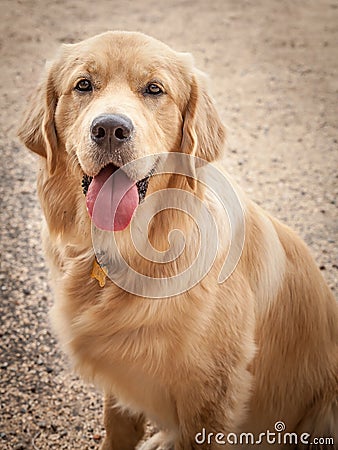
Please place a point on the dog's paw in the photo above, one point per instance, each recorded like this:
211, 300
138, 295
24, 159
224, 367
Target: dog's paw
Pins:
160, 441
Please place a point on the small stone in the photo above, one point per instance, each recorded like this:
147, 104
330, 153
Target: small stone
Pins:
54, 437
97, 437
20, 446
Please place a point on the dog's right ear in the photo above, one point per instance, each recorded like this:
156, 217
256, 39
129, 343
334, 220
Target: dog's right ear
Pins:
37, 130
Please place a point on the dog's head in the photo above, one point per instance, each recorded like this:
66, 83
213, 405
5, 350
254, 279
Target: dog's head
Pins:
114, 98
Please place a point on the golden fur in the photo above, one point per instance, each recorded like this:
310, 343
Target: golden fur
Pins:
232, 357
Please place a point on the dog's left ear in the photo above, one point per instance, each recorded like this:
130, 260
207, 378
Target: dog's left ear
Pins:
203, 131
37, 130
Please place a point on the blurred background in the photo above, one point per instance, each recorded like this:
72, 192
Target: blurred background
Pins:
273, 71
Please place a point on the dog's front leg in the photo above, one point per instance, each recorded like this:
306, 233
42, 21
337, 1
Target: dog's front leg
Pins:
123, 430
212, 410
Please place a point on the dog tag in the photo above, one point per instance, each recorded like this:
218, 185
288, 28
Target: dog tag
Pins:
99, 273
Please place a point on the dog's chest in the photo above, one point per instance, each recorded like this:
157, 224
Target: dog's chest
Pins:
140, 392
121, 349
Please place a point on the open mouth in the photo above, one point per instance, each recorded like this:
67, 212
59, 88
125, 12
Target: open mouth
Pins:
112, 201
142, 185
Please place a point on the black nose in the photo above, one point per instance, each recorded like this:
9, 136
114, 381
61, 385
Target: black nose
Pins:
112, 129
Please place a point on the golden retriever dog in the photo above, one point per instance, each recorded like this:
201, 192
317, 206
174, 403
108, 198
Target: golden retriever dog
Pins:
251, 360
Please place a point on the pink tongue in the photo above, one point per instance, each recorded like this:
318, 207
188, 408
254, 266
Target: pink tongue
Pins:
111, 200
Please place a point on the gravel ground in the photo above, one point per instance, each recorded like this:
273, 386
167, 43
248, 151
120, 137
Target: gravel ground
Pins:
273, 70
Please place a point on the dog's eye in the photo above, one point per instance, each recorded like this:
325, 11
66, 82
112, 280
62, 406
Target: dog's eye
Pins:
153, 89
84, 85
